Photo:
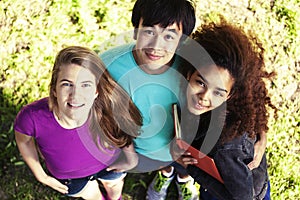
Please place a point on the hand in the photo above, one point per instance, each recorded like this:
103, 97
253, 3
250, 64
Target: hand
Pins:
126, 161
186, 159
55, 184
175, 150
259, 150
121, 166
181, 156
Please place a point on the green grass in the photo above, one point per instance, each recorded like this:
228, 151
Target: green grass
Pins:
32, 32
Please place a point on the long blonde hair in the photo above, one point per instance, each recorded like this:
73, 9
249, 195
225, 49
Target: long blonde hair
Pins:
114, 119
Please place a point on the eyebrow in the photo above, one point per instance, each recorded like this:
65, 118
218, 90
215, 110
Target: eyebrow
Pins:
173, 30
62, 80
220, 89
71, 81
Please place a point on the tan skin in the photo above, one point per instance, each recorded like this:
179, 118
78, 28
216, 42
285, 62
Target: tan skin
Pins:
208, 88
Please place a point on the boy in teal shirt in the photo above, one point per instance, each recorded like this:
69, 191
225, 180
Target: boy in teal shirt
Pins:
147, 70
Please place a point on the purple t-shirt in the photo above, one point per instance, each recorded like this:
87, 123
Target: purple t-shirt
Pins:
68, 153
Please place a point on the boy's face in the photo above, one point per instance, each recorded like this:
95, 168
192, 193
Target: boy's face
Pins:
156, 46
208, 88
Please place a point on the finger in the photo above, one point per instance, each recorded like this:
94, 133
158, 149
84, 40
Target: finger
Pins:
189, 161
63, 190
110, 169
252, 165
186, 153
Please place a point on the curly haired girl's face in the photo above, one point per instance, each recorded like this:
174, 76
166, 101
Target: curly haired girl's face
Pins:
208, 88
75, 92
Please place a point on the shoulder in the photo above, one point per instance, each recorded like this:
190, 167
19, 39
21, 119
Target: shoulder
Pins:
37, 106
109, 56
29, 115
33, 112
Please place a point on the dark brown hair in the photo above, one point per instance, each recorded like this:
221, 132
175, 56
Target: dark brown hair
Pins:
243, 56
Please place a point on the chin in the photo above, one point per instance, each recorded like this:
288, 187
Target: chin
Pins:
194, 111
198, 111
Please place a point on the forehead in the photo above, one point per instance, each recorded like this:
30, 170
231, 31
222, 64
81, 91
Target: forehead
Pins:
74, 71
215, 76
175, 26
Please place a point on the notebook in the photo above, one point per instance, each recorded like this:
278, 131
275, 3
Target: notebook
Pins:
205, 163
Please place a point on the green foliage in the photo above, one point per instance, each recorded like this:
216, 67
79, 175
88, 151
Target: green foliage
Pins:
32, 32
277, 26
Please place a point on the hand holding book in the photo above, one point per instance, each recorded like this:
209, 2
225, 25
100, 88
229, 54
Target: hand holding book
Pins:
204, 162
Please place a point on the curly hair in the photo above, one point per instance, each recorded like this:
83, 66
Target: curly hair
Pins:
114, 119
242, 55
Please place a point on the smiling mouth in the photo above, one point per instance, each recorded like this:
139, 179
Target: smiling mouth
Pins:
75, 105
153, 56
200, 106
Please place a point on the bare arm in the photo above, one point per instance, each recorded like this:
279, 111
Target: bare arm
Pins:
29, 153
259, 150
129, 161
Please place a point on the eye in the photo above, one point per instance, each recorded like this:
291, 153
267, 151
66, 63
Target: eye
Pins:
85, 85
201, 83
66, 84
148, 32
169, 37
220, 94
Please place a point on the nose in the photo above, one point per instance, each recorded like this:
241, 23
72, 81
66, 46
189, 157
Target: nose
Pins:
205, 96
157, 43
74, 92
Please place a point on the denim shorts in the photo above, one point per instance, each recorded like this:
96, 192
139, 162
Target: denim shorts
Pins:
75, 185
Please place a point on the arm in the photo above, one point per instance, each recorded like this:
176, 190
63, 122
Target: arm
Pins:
29, 153
259, 150
129, 161
231, 160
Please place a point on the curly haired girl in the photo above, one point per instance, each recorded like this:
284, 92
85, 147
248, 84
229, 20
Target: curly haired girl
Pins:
227, 90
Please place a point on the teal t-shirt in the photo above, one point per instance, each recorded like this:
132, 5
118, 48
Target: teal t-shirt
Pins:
152, 94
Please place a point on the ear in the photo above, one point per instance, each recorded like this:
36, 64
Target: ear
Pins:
228, 97
188, 76
231, 93
54, 93
96, 95
135, 33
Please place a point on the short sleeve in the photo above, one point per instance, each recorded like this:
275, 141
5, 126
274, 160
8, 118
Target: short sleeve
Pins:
24, 123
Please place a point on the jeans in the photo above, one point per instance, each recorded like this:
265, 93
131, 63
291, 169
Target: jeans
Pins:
75, 185
205, 195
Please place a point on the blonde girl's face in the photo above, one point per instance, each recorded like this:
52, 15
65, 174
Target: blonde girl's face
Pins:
208, 88
76, 90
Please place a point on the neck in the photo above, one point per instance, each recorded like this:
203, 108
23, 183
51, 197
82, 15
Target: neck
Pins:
189, 124
67, 122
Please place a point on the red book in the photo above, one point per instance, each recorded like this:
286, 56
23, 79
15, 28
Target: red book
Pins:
205, 162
